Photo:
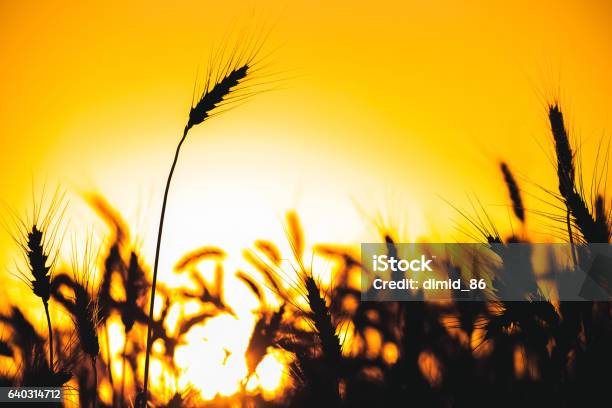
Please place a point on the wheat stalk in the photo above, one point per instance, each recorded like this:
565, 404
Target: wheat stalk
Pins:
37, 237
592, 229
41, 285
135, 284
565, 161
321, 317
326, 330
218, 92
86, 310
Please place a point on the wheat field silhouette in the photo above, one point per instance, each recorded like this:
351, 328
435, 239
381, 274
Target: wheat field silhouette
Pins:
119, 312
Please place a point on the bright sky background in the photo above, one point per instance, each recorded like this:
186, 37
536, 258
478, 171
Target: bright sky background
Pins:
391, 105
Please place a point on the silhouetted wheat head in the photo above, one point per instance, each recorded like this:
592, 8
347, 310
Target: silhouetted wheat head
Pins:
38, 235
513, 191
592, 229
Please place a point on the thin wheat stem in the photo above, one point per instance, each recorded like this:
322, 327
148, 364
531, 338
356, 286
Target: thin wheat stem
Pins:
155, 265
46, 303
571, 236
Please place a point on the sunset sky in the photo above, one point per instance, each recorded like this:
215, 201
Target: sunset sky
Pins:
384, 107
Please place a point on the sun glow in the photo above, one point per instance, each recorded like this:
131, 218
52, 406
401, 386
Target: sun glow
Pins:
272, 374
211, 358
211, 361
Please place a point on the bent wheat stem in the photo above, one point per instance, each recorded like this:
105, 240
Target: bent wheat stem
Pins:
156, 263
216, 98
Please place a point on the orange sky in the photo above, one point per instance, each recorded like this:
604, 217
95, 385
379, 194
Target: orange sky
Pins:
387, 104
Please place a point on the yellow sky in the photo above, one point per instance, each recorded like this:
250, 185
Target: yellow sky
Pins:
391, 105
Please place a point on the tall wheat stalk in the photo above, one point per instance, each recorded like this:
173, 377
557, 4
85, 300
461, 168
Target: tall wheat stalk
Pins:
218, 92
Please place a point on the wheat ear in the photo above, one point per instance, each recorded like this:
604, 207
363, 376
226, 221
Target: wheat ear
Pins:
592, 229
513, 191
